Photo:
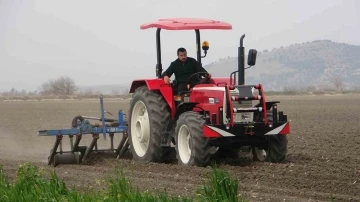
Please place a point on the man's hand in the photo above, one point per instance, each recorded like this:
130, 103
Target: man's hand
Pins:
208, 75
167, 79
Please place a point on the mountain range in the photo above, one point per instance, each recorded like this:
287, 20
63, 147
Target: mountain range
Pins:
321, 64
316, 65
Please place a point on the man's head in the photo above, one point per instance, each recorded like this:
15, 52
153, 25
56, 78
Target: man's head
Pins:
182, 55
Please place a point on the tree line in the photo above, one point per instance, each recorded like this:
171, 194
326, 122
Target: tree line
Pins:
61, 86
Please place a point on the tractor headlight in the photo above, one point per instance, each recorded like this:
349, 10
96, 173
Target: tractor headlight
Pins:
213, 100
245, 117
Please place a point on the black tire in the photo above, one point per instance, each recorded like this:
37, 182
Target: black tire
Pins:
199, 145
277, 147
76, 122
255, 150
158, 113
224, 152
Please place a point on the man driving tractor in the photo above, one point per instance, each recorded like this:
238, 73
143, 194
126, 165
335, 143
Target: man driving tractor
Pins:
183, 67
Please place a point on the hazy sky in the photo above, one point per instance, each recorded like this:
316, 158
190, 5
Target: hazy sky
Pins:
97, 42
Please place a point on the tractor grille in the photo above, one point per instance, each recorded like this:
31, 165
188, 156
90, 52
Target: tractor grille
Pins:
243, 117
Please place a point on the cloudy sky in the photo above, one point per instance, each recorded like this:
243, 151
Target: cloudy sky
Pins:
100, 42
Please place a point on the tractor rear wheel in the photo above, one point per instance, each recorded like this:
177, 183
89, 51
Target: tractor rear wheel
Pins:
148, 115
192, 147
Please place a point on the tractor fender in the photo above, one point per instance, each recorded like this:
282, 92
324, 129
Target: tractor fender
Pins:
184, 107
157, 85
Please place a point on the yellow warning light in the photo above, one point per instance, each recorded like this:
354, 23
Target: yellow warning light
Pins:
205, 45
177, 97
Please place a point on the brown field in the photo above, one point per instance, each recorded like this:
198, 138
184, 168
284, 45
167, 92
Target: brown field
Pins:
323, 156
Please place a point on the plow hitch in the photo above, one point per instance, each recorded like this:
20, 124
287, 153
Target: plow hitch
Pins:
82, 126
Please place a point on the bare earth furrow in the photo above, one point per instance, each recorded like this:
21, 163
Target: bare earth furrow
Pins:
323, 157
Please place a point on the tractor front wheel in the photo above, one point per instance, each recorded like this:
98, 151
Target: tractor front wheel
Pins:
277, 147
148, 115
192, 147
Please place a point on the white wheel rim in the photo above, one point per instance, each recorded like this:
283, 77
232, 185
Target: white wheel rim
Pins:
184, 142
140, 128
260, 154
213, 149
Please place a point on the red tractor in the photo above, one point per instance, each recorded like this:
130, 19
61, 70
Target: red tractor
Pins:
214, 115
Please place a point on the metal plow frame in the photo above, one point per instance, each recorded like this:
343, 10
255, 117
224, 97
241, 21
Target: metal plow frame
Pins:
78, 154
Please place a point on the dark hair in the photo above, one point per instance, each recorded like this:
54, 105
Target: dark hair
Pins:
180, 50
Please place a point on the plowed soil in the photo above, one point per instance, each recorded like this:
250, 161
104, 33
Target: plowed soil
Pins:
323, 155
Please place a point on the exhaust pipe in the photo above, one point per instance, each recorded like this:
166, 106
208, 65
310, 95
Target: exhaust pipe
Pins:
241, 62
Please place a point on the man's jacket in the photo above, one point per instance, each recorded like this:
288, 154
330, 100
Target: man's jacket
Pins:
183, 70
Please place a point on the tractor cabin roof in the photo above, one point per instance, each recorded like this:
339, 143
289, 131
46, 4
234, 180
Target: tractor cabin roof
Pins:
187, 24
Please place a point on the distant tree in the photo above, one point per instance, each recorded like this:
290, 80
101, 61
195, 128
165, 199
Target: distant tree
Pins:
115, 92
86, 92
356, 88
289, 90
337, 82
23, 92
13, 92
125, 91
64, 85
31, 93
310, 88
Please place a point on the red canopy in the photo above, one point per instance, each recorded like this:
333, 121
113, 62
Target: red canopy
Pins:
187, 24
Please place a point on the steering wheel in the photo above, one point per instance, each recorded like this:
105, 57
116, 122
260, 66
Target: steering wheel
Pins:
198, 77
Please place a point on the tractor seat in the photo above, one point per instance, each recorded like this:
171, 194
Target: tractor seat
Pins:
174, 85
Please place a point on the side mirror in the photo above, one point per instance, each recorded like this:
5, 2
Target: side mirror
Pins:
252, 57
205, 47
